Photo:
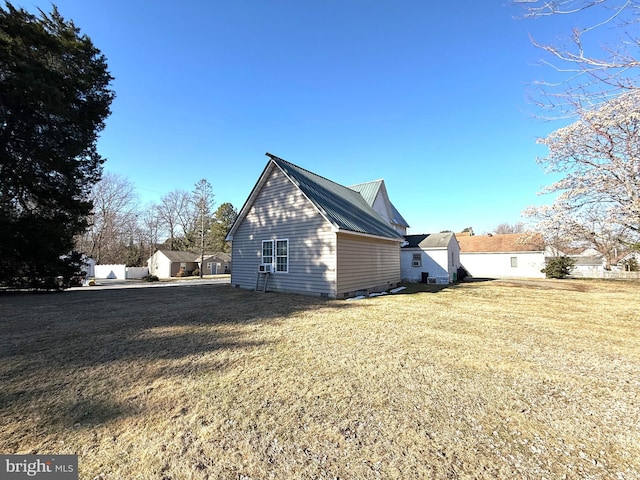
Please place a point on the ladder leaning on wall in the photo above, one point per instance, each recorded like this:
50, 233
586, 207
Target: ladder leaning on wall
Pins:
265, 281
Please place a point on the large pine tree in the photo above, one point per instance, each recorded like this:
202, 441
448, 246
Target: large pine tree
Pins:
54, 98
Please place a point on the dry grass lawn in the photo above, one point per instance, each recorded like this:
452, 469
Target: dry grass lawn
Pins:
482, 380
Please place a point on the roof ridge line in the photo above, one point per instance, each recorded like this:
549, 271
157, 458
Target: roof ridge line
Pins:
275, 157
364, 183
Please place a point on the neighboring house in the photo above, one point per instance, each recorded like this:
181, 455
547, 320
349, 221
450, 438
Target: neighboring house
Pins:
626, 260
375, 194
508, 255
215, 263
590, 266
430, 258
316, 237
168, 263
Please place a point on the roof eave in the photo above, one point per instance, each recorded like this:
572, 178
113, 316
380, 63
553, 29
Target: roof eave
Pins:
369, 235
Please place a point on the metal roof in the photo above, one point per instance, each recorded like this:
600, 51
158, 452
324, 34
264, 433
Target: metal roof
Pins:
428, 240
369, 191
343, 207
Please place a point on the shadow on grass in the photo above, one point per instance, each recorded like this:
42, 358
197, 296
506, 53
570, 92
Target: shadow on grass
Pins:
60, 345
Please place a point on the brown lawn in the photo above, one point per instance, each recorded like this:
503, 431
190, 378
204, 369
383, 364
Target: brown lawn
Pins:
482, 380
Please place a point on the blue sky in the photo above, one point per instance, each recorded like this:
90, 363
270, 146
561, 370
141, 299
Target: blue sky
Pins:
431, 96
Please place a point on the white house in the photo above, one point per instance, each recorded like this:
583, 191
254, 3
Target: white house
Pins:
590, 266
508, 255
628, 259
430, 258
169, 263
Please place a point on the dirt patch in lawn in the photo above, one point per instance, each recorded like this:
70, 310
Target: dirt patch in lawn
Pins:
547, 284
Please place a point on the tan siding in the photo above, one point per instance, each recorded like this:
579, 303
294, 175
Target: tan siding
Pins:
280, 211
365, 263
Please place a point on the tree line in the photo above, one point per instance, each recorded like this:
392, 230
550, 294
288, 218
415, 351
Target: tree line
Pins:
121, 230
55, 96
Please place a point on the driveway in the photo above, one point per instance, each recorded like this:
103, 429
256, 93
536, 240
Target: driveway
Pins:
107, 284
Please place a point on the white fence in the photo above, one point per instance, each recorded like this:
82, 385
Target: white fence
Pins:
621, 274
120, 272
110, 271
607, 274
136, 272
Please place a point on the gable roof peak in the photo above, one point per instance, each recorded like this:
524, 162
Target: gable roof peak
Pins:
344, 208
279, 161
372, 182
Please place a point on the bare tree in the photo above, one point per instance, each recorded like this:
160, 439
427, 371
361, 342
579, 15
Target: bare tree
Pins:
591, 71
178, 217
113, 222
151, 228
564, 229
554, 223
203, 200
599, 158
505, 228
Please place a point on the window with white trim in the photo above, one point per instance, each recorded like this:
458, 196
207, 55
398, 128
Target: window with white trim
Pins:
514, 262
282, 256
267, 252
417, 260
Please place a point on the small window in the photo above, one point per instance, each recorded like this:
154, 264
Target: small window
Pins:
267, 251
282, 256
514, 262
417, 260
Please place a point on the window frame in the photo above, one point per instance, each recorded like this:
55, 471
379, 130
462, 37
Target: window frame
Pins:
416, 257
514, 262
277, 256
262, 251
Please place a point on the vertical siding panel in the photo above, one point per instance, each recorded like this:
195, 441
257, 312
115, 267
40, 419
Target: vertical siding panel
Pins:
365, 263
281, 211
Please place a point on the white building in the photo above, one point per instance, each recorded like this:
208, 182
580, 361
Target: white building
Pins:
509, 255
430, 258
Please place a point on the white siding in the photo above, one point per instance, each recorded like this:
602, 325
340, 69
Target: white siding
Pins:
281, 211
434, 262
380, 206
439, 263
497, 265
159, 265
366, 263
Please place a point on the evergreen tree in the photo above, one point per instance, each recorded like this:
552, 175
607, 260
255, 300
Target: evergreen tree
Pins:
54, 98
222, 221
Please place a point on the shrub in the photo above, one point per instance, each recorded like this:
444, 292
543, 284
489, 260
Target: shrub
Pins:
196, 272
150, 278
462, 273
558, 267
